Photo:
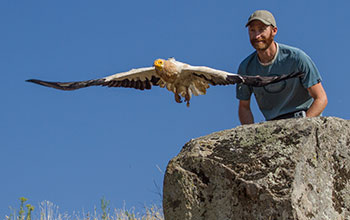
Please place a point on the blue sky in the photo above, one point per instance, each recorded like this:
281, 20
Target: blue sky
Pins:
72, 148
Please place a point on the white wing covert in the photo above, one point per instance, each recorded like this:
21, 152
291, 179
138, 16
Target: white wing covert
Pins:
213, 76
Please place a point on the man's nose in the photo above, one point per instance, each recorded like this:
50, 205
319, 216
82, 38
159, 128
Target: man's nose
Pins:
256, 35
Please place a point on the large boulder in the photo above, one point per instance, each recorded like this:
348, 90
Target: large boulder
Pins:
286, 169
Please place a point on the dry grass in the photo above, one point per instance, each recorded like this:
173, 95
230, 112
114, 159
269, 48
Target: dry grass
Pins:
48, 211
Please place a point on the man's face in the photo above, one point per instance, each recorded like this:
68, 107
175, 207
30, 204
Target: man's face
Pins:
261, 35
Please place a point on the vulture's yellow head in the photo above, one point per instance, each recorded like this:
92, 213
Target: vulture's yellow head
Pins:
159, 64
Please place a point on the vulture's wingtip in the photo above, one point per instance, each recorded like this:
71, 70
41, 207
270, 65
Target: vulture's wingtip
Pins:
33, 80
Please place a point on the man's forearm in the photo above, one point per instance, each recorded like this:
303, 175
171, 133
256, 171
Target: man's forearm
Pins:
320, 100
245, 116
317, 107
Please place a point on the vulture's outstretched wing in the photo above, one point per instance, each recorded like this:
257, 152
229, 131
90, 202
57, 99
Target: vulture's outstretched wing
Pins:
141, 78
219, 77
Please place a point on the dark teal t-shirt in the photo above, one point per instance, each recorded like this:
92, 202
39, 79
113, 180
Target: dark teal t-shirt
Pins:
286, 96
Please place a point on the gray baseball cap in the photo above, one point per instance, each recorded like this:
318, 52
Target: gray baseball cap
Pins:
264, 16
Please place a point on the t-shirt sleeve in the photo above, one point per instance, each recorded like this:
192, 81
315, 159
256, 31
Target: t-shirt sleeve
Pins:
306, 65
243, 92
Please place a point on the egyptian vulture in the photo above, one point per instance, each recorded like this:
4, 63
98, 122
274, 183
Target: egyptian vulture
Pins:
180, 78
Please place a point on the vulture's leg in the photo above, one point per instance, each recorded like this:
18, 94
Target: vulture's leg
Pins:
178, 98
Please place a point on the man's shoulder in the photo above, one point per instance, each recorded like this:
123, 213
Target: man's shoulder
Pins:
289, 53
290, 50
245, 63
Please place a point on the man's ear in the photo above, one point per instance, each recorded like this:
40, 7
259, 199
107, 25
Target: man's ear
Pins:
274, 30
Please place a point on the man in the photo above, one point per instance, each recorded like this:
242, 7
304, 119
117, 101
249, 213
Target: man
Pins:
290, 98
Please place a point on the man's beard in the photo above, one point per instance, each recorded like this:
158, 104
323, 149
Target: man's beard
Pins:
262, 44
